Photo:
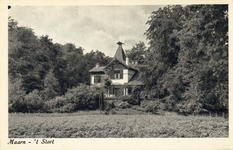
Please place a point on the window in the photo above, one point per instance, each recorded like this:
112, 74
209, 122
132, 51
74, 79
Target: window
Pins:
116, 91
97, 79
129, 90
117, 74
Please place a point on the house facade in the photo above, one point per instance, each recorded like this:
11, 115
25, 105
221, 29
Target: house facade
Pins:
122, 74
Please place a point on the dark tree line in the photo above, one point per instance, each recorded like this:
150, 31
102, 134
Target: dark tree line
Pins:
186, 63
40, 68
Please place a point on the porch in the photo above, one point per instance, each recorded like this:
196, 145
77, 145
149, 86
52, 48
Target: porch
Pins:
118, 91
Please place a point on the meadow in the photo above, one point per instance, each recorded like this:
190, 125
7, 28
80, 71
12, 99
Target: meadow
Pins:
92, 124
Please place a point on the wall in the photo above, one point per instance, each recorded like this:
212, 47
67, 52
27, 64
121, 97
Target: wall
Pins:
127, 74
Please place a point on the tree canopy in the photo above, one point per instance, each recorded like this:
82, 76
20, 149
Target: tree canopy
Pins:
39, 67
187, 61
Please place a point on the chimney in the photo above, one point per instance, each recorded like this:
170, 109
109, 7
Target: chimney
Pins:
97, 65
120, 44
127, 61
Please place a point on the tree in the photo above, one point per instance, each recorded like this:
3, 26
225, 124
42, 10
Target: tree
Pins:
16, 96
163, 51
51, 86
75, 65
203, 59
187, 62
137, 53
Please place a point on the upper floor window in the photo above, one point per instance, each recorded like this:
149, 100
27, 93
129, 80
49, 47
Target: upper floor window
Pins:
97, 79
116, 74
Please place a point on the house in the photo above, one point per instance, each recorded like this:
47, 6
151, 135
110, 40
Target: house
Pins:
122, 74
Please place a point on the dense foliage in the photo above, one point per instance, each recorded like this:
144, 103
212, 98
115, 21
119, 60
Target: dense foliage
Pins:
186, 63
40, 70
81, 98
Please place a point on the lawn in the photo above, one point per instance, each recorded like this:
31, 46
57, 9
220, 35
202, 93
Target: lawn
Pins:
92, 124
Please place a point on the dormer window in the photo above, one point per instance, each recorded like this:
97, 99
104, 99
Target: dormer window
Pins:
117, 74
97, 79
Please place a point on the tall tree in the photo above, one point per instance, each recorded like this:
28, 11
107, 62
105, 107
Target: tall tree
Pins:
137, 53
51, 86
188, 58
163, 51
203, 59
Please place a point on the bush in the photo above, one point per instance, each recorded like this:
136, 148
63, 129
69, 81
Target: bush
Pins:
152, 109
67, 108
55, 104
129, 100
124, 105
18, 105
84, 97
113, 112
16, 97
108, 106
149, 106
34, 101
81, 98
138, 108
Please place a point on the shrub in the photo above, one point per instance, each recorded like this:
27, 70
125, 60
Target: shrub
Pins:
34, 101
108, 106
107, 110
113, 112
149, 106
129, 100
16, 97
84, 97
81, 98
67, 108
152, 108
54, 104
138, 108
18, 105
124, 105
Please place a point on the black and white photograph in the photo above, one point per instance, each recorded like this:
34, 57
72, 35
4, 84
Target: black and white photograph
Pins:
117, 72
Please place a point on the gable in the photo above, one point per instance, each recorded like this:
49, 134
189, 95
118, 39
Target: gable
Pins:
114, 65
119, 64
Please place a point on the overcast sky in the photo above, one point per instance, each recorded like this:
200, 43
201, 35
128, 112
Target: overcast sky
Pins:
91, 27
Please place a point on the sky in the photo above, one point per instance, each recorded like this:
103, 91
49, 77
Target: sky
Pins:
91, 27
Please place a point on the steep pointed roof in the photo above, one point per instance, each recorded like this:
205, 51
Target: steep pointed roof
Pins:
120, 57
120, 54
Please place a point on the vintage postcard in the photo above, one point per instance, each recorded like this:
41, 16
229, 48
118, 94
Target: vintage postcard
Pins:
116, 75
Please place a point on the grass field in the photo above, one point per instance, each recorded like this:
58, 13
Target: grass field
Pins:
91, 124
